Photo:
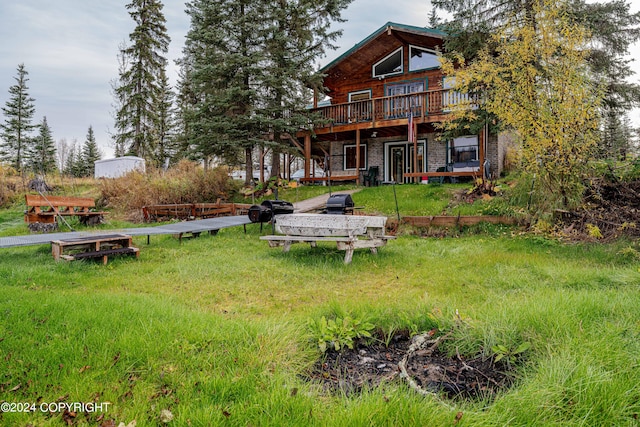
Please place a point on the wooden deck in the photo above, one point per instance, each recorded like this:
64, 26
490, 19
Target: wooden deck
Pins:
424, 107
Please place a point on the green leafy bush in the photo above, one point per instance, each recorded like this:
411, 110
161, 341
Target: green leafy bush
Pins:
339, 332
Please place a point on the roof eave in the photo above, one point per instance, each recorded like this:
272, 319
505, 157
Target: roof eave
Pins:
389, 26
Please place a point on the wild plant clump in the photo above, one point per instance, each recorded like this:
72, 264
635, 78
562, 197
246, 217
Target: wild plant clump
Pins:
187, 182
10, 186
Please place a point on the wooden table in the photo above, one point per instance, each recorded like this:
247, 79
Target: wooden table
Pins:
347, 244
93, 247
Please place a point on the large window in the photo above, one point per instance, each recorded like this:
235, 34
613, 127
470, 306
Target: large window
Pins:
463, 152
391, 64
421, 58
350, 157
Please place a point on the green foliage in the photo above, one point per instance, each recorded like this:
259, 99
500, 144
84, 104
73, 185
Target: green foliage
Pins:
510, 355
42, 153
194, 327
139, 126
90, 154
335, 334
536, 81
15, 132
594, 231
254, 76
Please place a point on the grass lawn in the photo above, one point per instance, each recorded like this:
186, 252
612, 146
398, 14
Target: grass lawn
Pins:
214, 330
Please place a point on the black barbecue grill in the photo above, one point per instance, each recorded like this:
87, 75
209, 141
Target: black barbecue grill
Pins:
265, 211
340, 204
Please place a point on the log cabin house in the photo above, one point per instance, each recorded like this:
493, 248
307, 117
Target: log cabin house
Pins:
384, 97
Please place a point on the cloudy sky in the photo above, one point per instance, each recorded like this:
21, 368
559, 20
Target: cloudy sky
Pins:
70, 47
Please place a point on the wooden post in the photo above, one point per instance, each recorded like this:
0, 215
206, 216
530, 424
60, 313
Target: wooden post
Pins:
415, 150
481, 153
358, 156
307, 154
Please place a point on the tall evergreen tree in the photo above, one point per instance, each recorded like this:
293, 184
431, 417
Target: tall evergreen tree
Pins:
296, 36
139, 90
247, 83
222, 73
90, 153
166, 123
17, 127
42, 155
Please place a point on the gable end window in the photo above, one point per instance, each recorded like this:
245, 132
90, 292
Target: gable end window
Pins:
422, 59
390, 65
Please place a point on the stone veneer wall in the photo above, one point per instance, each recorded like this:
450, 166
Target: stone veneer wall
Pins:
436, 153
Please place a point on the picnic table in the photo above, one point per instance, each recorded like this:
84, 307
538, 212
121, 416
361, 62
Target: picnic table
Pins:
347, 231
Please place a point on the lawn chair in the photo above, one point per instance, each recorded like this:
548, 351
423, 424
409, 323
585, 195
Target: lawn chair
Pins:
371, 177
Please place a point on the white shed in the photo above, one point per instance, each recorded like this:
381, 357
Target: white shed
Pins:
114, 168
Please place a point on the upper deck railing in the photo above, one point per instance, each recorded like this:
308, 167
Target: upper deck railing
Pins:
426, 105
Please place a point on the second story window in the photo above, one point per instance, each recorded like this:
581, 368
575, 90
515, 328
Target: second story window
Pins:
422, 59
390, 65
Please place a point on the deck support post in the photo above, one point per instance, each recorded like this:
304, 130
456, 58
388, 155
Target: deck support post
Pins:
358, 156
307, 155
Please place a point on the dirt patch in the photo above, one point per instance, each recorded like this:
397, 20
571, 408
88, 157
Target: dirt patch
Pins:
612, 207
422, 365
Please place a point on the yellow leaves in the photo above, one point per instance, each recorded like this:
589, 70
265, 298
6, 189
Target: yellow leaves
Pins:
537, 83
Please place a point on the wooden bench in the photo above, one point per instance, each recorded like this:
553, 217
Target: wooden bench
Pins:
45, 208
93, 247
333, 178
347, 244
186, 211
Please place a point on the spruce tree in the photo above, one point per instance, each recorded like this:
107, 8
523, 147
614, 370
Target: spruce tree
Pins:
166, 148
42, 155
297, 36
17, 127
246, 84
139, 89
222, 73
90, 153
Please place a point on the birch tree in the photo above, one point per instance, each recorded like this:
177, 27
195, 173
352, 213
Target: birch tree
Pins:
537, 83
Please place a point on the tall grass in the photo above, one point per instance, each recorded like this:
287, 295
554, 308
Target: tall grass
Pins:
187, 182
213, 329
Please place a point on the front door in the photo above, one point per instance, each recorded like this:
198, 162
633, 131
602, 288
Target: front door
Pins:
398, 164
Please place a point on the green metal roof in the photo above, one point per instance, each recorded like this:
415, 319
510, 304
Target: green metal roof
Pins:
393, 25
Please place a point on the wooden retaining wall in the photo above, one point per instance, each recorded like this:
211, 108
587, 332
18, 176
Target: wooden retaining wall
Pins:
454, 221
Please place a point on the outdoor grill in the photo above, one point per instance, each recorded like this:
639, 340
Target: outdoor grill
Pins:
340, 204
265, 211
